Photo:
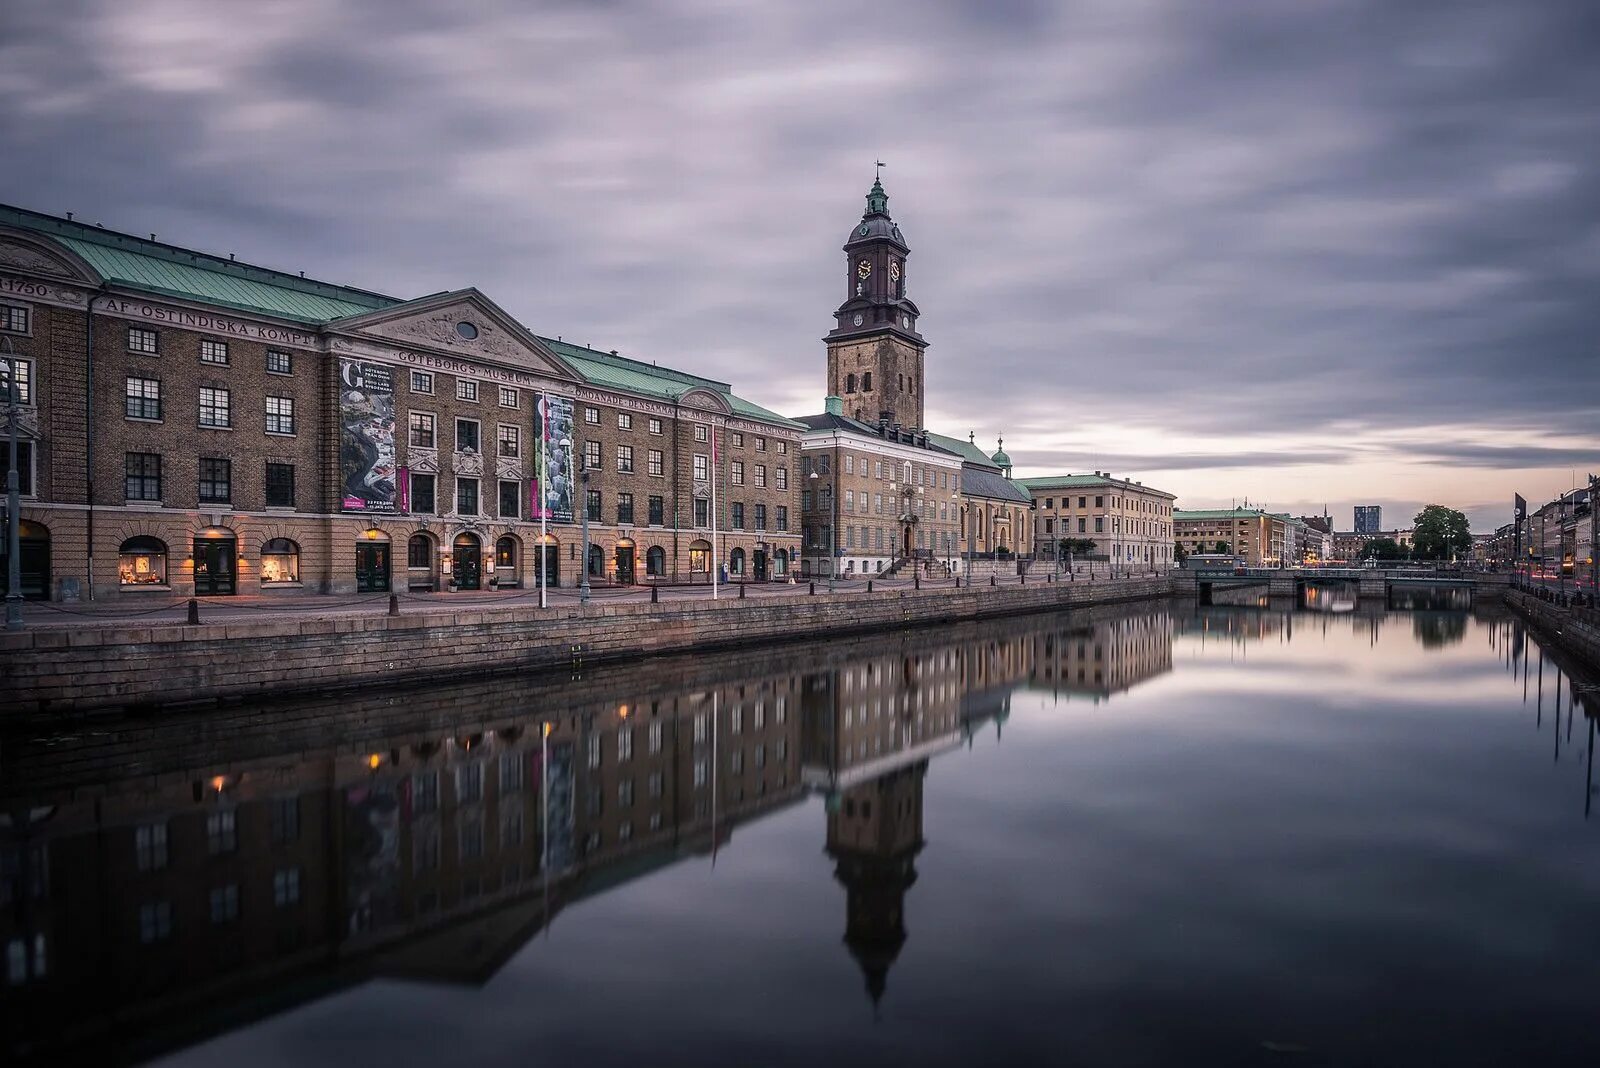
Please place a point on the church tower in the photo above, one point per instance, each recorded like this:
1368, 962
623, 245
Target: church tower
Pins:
874, 350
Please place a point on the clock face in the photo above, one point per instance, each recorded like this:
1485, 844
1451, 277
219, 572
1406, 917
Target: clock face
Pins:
905, 321
858, 319
894, 271
863, 269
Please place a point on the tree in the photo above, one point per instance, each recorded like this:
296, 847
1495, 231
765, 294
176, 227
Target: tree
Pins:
1179, 553
1382, 549
1440, 533
1224, 548
1077, 546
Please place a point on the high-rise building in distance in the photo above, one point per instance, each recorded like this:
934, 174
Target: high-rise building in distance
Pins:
1369, 518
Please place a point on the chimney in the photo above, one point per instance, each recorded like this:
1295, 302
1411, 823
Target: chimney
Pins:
833, 405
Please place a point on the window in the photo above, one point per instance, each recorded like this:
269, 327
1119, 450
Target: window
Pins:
466, 390
657, 462
736, 474
22, 370
280, 562
653, 737
25, 959
13, 320
213, 351
783, 448
761, 475
702, 432
150, 846
216, 480
850, 465
591, 455
419, 552
700, 557
1099, 502
279, 362
699, 774
761, 517
421, 382
736, 439
469, 783
510, 773
510, 441
286, 887
761, 444
222, 833
466, 496
280, 415
1099, 525
593, 506
702, 512
280, 485
624, 508
425, 792
591, 416
510, 499
155, 922
225, 903
655, 426
655, 562
214, 407
285, 820
422, 494
702, 468
142, 399
624, 421
625, 459
142, 561
780, 477
509, 398
142, 341
421, 430
738, 515
594, 750
781, 517
467, 435
658, 509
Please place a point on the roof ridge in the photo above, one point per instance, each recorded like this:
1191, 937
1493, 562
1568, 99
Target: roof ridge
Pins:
588, 353
98, 234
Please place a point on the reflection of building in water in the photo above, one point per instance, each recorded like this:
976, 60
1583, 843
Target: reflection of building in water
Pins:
1104, 657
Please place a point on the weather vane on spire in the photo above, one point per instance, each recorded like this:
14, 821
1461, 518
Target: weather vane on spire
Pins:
877, 174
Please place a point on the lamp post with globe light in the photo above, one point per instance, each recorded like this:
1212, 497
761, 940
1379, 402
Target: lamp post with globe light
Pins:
8, 368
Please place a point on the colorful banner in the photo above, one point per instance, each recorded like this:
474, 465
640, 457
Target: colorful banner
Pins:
552, 489
366, 436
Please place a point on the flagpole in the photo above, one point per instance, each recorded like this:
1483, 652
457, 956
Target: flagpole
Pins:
715, 718
714, 467
544, 494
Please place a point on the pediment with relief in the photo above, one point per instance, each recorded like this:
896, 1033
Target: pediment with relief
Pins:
468, 326
24, 253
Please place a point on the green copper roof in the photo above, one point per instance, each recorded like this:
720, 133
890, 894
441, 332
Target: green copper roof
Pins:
968, 452
1060, 482
166, 270
1179, 514
634, 376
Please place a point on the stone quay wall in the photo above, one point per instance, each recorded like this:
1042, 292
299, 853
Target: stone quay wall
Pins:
1575, 630
118, 665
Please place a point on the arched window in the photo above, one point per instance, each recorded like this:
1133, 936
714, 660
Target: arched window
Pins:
736, 562
782, 561
142, 561
597, 561
849, 383
505, 552
419, 552
700, 557
655, 561
866, 382
902, 380
280, 562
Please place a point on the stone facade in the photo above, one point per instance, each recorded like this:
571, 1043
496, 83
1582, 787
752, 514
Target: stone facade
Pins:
1130, 523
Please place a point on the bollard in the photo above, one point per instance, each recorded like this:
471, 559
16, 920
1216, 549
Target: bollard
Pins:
992, 581
958, 582
655, 594
869, 585
813, 588
394, 604
1024, 579
194, 611
741, 591
916, 581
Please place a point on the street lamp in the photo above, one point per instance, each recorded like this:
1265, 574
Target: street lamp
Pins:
833, 559
583, 566
13, 494
949, 568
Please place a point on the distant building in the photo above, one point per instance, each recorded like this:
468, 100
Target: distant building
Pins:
1369, 519
1260, 537
1319, 538
1129, 522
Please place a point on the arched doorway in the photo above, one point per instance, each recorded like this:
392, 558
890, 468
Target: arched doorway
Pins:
216, 551
466, 561
700, 558
420, 563
782, 560
507, 552
655, 562
625, 563
736, 564
372, 562
758, 564
548, 562
905, 540
597, 562
33, 560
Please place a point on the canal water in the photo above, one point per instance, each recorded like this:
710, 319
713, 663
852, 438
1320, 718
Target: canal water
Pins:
1157, 834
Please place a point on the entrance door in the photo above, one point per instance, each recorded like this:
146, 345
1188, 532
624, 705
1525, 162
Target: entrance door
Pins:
625, 564
214, 573
759, 562
907, 540
468, 565
372, 568
550, 561
33, 560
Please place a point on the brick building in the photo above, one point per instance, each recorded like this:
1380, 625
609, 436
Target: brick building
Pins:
195, 425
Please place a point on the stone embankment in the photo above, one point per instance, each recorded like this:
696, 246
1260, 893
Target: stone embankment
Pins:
110, 666
1575, 630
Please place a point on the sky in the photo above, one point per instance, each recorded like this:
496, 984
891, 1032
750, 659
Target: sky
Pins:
1307, 254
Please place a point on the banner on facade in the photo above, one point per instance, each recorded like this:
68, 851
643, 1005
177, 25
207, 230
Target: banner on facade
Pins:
1519, 511
552, 496
366, 436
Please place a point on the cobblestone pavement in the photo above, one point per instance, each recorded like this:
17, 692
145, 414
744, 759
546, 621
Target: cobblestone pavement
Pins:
175, 610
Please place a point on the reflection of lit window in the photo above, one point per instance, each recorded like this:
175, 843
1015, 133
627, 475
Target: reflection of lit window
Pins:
280, 561
143, 562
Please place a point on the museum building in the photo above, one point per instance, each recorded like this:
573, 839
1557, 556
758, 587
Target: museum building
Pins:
193, 425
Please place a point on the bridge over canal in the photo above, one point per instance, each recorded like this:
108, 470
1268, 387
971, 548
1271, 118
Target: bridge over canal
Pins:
1391, 587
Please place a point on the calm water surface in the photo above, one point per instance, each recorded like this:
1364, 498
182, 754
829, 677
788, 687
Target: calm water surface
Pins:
1156, 835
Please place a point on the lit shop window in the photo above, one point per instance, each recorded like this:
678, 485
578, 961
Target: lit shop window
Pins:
143, 562
280, 561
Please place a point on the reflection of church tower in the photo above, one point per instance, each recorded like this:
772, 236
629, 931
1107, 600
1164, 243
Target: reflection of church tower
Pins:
874, 836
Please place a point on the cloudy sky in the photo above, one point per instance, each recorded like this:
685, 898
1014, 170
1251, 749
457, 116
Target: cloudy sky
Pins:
1305, 253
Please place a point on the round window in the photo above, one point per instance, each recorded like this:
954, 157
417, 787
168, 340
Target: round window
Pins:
467, 330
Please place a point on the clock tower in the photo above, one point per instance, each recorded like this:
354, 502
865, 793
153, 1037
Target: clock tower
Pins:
874, 349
